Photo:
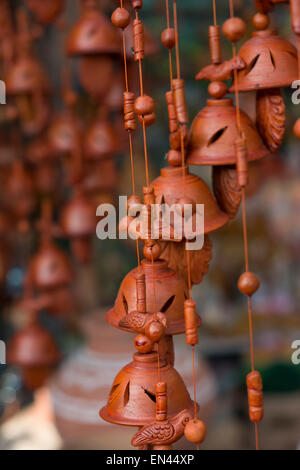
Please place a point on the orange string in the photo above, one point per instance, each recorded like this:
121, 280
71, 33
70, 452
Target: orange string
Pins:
170, 52
176, 37
244, 215
215, 12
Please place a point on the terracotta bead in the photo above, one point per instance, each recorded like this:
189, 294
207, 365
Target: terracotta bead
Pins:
215, 44
120, 18
168, 38
217, 89
297, 128
134, 204
143, 344
137, 4
144, 105
161, 401
152, 252
234, 29
155, 331
261, 21
148, 119
255, 396
195, 431
174, 157
248, 283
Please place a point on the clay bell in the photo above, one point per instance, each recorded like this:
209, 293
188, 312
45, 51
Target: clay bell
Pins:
50, 268
132, 398
63, 133
100, 140
170, 294
175, 182
35, 352
214, 131
47, 10
78, 221
271, 62
93, 34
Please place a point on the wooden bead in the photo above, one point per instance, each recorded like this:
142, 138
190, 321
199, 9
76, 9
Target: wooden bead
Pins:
217, 89
195, 431
191, 327
248, 283
137, 4
255, 396
215, 45
120, 18
148, 119
152, 252
129, 114
168, 38
179, 101
143, 344
241, 162
261, 21
297, 128
185, 211
140, 293
161, 401
174, 158
155, 331
144, 105
138, 40
234, 29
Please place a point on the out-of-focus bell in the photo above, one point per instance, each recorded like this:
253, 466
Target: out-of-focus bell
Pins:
93, 33
175, 182
132, 398
214, 131
100, 140
168, 297
35, 352
47, 10
271, 62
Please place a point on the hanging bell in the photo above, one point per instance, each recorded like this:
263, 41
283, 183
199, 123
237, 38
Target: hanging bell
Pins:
63, 133
35, 352
47, 10
100, 140
93, 34
132, 398
271, 62
168, 298
176, 182
78, 221
214, 131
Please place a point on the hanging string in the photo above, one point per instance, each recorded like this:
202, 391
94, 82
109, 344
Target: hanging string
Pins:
170, 51
215, 12
176, 38
244, 215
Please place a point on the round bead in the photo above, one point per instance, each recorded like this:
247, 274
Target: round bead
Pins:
261, 21
185, 211
195, 431
120, 18
155, 331
217, 89
168, 38
152, 252
174, 158
297, 128
70, 98
143, 344
148, 119
144, 105
234, 29
248, 283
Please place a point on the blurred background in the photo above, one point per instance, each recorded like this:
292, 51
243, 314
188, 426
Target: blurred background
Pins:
64, 413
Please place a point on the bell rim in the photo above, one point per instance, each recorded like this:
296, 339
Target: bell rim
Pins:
198, 159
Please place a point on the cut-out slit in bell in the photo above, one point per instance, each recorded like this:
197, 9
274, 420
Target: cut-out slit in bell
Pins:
214, 131
271, 62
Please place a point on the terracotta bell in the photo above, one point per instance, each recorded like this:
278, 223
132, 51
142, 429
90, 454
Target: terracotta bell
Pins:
271, 62
214, 131
35, 352
132, 398
63, 133
172, 185
170, 294
78, 221
50, 268
47, 10
93, 34
100, 140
